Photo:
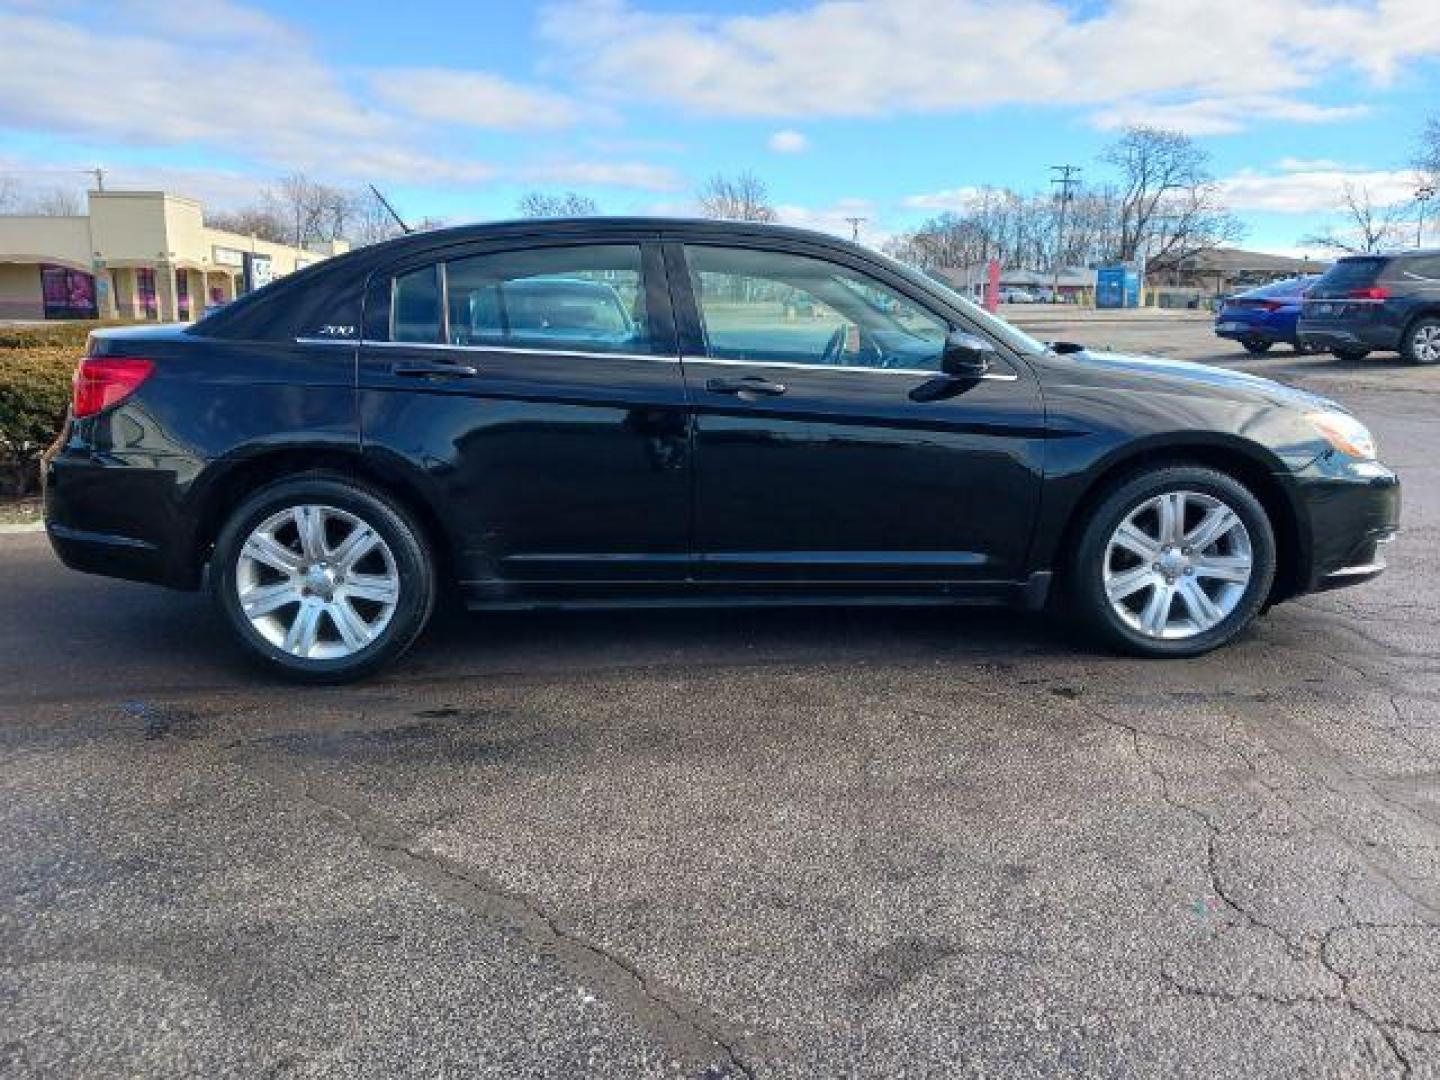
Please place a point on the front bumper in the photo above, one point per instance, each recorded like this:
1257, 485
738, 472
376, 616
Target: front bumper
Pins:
1353, 509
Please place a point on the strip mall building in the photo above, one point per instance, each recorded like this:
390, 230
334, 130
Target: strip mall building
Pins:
135, 255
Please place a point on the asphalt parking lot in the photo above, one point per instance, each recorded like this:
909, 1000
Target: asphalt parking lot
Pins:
792, 844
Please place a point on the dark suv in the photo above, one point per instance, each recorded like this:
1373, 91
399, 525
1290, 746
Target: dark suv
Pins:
635, 412
1365, 303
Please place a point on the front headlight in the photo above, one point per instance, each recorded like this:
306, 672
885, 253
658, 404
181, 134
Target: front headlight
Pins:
1345, 433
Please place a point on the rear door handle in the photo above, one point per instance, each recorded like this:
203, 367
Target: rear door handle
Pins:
751, 384
420, 369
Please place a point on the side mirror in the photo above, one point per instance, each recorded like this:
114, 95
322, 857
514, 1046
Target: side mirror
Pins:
966, 356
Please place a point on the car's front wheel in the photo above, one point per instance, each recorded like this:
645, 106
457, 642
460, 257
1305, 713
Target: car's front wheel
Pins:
1174, 562
1422, 342
322, 579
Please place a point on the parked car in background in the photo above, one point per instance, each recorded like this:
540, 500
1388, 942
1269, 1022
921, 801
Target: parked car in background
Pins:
629, 412
1266, 316
1376, 303
1016, 295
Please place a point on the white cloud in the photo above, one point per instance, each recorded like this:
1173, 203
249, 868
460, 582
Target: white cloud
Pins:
249, 87
1222, 116
835, 219
789, 142
956, 199
473, 99
1228, 62
1308, 189
628, 174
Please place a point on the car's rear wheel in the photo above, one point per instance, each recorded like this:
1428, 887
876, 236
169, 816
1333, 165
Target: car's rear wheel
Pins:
1422, 342
322, 579
1256, 345
1174, 562
1350, 355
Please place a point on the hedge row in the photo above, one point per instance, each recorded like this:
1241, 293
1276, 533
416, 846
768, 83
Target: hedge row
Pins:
36, 365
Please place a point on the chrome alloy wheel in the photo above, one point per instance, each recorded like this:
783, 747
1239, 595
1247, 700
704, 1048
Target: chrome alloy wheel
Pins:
1426, 344
317, 582
1180, 546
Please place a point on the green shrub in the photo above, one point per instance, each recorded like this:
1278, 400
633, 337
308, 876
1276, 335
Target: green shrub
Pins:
34, 394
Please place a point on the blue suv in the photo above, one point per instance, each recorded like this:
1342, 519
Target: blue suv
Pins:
1376, 303
1261, 317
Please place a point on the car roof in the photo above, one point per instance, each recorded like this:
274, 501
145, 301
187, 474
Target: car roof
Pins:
294, 300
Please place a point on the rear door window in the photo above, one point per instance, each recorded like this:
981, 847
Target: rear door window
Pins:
588, 298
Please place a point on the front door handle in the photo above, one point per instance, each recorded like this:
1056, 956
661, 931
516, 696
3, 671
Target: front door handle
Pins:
420, 369
750, 384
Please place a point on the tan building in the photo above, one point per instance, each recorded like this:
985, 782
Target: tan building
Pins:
136, 255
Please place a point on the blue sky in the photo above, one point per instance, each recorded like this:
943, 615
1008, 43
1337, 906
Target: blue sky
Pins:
890, 109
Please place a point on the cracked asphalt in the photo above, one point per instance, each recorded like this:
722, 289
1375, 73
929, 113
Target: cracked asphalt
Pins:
723, 844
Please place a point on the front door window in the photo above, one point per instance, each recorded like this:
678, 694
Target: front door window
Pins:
774, 307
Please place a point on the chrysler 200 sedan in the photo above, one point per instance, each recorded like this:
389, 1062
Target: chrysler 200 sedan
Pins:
640, 411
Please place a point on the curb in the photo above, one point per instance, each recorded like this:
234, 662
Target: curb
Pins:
17, 530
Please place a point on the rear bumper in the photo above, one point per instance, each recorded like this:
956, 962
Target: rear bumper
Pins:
116, 520
1348, 334
1240, 330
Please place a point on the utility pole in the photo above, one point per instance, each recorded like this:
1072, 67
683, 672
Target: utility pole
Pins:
1422, 196
1067, 179
99, 175
855, 223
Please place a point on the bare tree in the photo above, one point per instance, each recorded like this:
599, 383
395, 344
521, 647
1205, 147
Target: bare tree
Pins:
1364, 227
1169, 205
312, 212
262, 222
743, 197
54, 202
9, 192
538, 204
1427, 160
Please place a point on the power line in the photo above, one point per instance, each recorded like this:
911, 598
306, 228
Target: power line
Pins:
1067, 179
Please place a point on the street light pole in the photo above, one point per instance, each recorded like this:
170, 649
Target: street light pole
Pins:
1422, 196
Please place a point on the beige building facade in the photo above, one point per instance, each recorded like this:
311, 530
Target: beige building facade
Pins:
135, 255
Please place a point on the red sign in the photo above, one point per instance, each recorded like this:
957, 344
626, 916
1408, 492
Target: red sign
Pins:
992, 287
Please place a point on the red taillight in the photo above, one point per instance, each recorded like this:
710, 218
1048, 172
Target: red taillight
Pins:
102, 381
1272, 305
1374, 292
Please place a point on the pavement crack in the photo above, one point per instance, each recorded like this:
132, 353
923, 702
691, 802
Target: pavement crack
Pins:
701, 1040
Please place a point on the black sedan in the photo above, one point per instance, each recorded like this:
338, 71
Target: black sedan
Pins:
641, 411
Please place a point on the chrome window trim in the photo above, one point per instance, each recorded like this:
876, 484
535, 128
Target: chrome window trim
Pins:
371, 343
991, 376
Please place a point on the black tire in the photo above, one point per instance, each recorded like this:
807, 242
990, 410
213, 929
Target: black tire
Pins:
413, 563
1256, 346
1086, 573
1419, 346
1350, 355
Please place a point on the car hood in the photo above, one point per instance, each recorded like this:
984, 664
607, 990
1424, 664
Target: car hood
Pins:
1159, 374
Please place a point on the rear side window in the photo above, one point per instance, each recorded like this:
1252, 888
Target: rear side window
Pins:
1425, 269
415, 306
1352, 274
586, 298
